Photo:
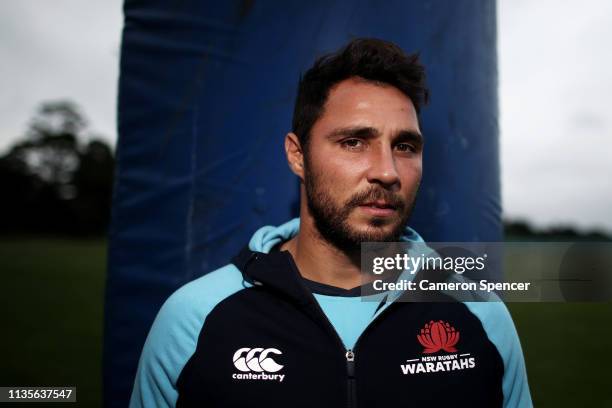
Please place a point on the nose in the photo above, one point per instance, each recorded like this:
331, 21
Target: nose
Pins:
382, 169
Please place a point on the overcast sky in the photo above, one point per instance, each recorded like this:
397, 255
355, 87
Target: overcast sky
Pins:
555, 86
60, 49
555, 64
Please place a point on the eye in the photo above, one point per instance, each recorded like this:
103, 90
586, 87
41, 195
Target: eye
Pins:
405, 148
352, 144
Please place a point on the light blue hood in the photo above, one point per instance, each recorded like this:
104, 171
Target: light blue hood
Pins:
269, 236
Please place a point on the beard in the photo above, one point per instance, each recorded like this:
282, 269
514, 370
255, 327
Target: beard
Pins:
331, 220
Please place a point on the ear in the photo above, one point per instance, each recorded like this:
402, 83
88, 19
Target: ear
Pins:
295, 155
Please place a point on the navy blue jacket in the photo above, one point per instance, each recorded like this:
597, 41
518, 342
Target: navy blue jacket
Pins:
255, 333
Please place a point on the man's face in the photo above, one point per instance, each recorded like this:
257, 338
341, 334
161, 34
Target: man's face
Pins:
363, 164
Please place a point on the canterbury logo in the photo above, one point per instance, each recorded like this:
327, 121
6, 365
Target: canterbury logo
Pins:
257, 360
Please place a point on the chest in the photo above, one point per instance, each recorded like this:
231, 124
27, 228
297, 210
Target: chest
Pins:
268, 351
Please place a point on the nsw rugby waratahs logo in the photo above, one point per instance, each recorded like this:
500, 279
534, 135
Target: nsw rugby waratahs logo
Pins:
436, 336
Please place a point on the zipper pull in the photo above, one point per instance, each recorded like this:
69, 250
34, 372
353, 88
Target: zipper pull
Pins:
350, 363
351, 386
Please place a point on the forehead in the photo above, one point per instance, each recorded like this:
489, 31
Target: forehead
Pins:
358, 102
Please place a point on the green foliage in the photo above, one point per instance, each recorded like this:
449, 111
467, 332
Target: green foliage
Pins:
59, 178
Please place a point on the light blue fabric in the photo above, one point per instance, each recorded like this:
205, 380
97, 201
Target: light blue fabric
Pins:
173, 337
349, 315
500, 329
269, 236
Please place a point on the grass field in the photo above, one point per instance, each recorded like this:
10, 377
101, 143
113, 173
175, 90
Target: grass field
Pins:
52, 309
568, 351
52, 312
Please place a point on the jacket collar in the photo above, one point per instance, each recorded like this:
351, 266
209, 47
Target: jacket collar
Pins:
269, 236
277, 270
274, 270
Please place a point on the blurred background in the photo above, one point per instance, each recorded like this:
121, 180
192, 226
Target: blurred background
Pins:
59, 74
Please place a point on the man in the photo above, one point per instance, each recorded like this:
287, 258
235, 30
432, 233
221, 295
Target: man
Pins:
283, 325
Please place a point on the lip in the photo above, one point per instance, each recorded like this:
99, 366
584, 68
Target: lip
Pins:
373, 209
378, 203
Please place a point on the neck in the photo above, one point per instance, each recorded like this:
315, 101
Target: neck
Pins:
320, 261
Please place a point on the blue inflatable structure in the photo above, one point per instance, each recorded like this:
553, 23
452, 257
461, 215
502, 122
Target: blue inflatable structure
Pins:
206, 94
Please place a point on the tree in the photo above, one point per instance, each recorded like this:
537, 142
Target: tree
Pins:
54, 181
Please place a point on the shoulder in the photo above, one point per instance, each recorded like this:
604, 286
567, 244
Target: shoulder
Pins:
198, 297
182, 316
500, 330
497, 323
499, 327
174, 334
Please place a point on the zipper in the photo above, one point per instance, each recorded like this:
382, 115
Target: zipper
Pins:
350, 372
350, 362
349, 354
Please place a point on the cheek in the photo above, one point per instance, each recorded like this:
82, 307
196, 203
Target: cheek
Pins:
337, 178
341, 171
411, 173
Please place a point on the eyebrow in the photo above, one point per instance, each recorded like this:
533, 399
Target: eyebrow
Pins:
366, 132
409, 136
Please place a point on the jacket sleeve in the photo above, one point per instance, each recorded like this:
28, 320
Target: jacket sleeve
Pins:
173, 337
170, 343
500, 329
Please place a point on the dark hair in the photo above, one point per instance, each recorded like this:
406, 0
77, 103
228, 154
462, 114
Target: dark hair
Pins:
369, 58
